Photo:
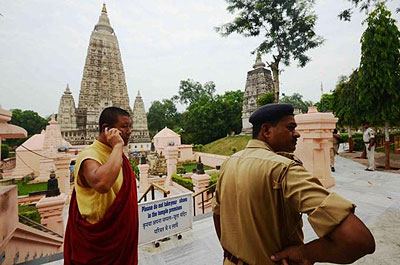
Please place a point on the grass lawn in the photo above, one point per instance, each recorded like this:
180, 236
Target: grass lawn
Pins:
25, 188
227, 145
189, 168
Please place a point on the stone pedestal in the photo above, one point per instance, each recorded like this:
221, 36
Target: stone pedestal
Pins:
51, 210
171, 155
200, 182
315, 142
144, 175
62, 172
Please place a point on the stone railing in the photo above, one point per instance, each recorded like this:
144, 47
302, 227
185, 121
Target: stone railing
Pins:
19, 242
8, 163
210, 160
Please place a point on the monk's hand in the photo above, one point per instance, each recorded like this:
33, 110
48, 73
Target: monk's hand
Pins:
292, 255
113, 137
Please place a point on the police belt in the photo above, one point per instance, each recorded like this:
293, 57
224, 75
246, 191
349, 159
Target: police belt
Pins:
229, 256
366, 142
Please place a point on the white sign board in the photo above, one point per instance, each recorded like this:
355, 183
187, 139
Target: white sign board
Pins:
165, 217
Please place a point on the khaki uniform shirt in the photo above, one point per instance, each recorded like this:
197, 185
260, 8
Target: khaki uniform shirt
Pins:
260, 196
368, 134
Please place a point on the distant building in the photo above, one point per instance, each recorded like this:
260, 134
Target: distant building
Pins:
258, 83
166, 137
103, 85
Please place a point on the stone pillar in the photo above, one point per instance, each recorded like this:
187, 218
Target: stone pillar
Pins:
144, 175
8, 213
315, 142
171, 154
200, 182
51, 209
62, 172
46, 165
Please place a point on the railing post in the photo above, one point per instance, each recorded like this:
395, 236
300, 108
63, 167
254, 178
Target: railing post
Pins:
202, 201
152, 193
194, 206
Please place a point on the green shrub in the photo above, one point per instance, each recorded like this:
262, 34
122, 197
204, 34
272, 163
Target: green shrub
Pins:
185, 182
5, 151
180, 169
30, 212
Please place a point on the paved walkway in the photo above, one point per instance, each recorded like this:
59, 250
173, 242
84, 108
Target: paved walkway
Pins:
376, 194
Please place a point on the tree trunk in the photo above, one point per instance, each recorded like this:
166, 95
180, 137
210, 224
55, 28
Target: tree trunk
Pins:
275, 73
351, 143
387, 146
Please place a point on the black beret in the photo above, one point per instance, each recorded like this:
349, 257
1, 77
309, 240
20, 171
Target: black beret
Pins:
271, 113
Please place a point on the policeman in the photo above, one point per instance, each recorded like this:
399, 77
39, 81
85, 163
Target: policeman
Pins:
369, 142
334, 149
262, 192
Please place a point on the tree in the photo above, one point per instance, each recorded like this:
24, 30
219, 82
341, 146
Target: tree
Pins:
162, 114
326, 103
30, 120
346, 104
265, 99
209, 119
296, 100
190, 91
379, 72
287, 27
362, 5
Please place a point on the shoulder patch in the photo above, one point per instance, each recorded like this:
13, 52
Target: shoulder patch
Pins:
291, 157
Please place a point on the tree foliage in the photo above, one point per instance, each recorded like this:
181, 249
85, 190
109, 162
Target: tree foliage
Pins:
362, 5
296, 100
379, 72
30, 120
211, 118
191, 91
5, 151
162, 114
346, 104
286, 25
326, 103
265, 99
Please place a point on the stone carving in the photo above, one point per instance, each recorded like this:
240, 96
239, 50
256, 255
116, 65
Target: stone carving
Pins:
259, 82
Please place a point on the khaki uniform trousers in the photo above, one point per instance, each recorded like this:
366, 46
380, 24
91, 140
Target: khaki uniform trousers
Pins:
371, 156
333, 152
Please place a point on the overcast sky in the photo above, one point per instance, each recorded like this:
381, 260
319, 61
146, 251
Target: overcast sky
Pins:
43, 47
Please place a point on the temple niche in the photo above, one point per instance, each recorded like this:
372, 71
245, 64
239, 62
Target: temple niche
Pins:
258, 83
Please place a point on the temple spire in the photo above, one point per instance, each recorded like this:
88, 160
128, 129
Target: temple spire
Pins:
258, 63
104, 23
138, 94
67, 90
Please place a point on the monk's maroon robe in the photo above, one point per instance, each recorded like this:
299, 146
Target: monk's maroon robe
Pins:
114, 239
